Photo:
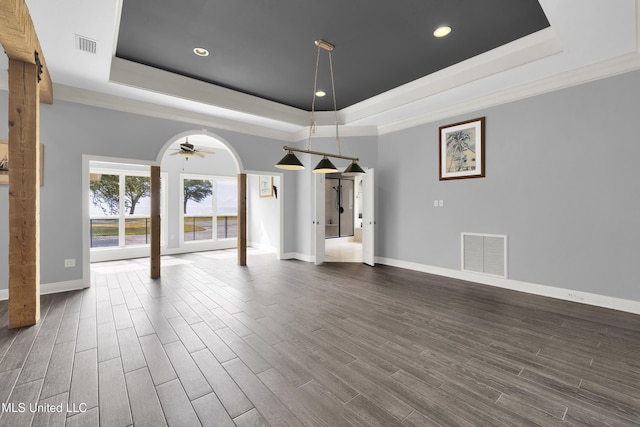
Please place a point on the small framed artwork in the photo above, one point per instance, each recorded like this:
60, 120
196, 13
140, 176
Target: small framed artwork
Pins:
266, 186
462, 150
4, 162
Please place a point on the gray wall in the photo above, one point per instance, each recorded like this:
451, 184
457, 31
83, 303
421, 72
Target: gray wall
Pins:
561, 182
263, 215
70, 130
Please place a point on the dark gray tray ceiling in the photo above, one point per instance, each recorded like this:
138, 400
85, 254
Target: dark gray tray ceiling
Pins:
266, 49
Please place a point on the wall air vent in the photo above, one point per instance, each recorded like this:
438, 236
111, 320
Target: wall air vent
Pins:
484, 253
86, 45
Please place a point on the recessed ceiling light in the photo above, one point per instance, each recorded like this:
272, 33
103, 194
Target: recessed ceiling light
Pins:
442, 31
321, 93
200, 51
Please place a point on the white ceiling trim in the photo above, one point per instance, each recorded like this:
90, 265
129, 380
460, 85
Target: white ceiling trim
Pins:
588, 55
118, 103
620, 65
153, 79
528, 49
330, 132
608, 68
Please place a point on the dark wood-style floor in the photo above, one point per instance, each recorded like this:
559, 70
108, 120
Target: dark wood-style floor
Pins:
290, 343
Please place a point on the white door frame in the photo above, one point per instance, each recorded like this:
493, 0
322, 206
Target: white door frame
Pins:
318, 220
368, 218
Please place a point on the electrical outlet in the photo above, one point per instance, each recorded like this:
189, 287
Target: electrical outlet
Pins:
69, 263
441, 203
435, 203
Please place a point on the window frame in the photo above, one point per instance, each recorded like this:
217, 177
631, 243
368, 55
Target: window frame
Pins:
123, 250
215, 179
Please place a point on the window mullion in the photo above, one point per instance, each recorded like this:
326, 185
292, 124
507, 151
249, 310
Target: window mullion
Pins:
214, 209
121, 219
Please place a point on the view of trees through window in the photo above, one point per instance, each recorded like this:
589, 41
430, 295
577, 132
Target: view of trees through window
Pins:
205, 200
120, 209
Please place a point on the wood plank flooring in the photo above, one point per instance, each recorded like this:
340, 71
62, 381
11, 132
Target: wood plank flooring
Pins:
289, 343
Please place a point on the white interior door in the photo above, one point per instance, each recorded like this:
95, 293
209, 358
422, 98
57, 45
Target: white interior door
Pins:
317, 233
368, 218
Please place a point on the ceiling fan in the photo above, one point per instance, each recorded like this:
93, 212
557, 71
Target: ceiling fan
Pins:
188, 150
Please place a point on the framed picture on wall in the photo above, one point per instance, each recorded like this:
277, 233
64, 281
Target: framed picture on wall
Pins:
266, 186
4, 163
462, 150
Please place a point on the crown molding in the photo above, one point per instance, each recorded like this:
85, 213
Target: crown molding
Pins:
159, 81
271, 120
330, 132
533, 47
609, 68
118, 103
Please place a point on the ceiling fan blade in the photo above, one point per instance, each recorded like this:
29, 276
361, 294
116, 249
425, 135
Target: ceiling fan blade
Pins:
175, 154
198, 153
207, 151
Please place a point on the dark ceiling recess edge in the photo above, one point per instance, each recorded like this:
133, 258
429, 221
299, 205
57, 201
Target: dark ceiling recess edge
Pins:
267, 50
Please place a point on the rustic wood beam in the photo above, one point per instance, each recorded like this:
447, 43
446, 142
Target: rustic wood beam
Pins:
24, 195
155, 222
20, 41
242, 219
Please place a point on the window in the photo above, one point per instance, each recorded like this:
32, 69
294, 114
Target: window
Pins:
210, 207
104, 209
137, 199
119, 208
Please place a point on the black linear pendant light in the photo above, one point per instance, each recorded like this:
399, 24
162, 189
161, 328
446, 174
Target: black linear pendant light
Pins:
290, 161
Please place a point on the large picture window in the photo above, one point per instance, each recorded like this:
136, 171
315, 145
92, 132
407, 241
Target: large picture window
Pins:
210, 207
119, 208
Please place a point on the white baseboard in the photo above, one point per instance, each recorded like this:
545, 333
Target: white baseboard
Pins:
296, 255
71, 285
199, 247
52, 288
620, 304
629, 306
262, 247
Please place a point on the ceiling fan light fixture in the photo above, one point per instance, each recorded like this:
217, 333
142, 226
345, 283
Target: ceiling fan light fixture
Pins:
290, 162
325, 166
188, 150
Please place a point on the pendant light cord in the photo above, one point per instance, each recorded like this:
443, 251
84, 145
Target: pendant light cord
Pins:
312, 125
335, 108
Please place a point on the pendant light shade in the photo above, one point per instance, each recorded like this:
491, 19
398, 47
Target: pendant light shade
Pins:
353, 169
325, 166
290, 162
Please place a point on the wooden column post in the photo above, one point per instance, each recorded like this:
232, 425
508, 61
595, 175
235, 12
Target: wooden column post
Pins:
155, 222
24, 194
242, 219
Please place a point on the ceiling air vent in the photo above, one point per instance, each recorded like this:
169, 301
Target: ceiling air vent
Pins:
85, 44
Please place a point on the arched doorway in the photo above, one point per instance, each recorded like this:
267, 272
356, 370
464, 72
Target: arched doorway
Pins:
201, 211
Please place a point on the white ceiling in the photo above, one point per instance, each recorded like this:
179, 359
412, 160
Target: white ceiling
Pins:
587, 40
